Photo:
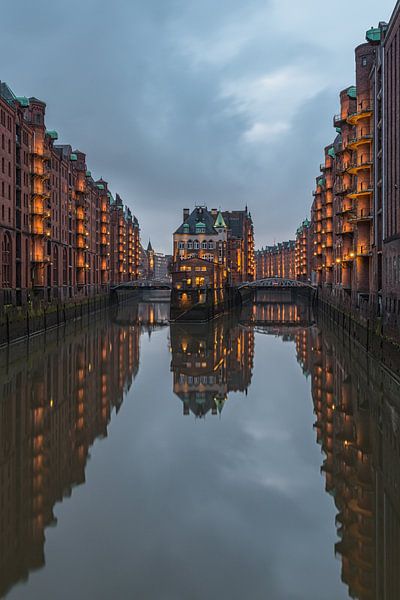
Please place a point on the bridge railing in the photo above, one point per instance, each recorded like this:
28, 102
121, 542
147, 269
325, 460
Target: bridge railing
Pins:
275, 282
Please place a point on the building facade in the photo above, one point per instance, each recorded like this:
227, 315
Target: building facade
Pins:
355, 212
55, 219
240, 246
276, 261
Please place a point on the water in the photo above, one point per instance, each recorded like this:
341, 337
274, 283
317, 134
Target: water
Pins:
139, 460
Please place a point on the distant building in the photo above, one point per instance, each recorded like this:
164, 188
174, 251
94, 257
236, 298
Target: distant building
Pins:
303, 252
276, 261
200, 247
240, 248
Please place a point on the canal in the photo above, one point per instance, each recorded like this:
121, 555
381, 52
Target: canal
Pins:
253, 457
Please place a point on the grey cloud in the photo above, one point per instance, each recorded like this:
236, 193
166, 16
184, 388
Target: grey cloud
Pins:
138, 87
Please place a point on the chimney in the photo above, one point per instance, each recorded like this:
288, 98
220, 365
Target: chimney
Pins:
214, 212
185, 214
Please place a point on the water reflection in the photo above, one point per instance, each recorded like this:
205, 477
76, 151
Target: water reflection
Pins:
356, 404
58, 394
209, 361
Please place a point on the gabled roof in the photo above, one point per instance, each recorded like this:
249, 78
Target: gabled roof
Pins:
219, 222
199, 215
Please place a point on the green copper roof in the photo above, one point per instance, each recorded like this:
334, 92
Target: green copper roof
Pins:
199, 225
73, 157
100, 186
373, 35
338, 130
52, 134
321, 181
352, 91
220, 223
23, 100
88, 174
331, 152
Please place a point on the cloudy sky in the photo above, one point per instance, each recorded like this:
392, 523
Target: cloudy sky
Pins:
184, 102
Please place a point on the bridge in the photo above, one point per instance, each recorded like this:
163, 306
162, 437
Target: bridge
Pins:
275, 282
143, 284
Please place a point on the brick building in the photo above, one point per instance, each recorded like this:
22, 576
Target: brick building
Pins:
277, 261
55, 218
303, 252
240, 247
355, 217
391, 169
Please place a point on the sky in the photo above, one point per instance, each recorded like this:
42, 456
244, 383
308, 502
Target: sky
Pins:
185, 102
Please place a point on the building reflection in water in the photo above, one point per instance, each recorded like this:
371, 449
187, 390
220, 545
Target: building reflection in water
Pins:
357, 423
209, 361
57, 395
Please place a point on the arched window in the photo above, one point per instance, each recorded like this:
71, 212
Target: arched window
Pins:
196, 245
6, 260
65, 267
204, 245
190, 245
211, 245
55, 266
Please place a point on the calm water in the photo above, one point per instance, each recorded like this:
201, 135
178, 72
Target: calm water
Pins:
254, 457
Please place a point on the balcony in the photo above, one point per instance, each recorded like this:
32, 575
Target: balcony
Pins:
342, 188
363, 189
346, 229
364, 162
345, 210
363, 113
362, 137
338, 120
363, 214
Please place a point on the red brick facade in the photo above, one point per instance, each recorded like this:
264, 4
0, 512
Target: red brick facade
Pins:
55, 219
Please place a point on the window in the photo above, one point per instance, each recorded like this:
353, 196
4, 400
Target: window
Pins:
204, 245
190, 245
6, 260
211, 245
196, 245
181, 245
364, 61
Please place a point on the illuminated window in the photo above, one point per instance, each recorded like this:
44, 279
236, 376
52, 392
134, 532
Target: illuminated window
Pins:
200, 281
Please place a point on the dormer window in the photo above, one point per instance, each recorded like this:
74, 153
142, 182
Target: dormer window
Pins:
200, 227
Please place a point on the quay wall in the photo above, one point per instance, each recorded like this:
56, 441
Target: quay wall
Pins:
354, 325
17, 323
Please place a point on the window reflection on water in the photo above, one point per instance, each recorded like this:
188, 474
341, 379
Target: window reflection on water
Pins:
58, 394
